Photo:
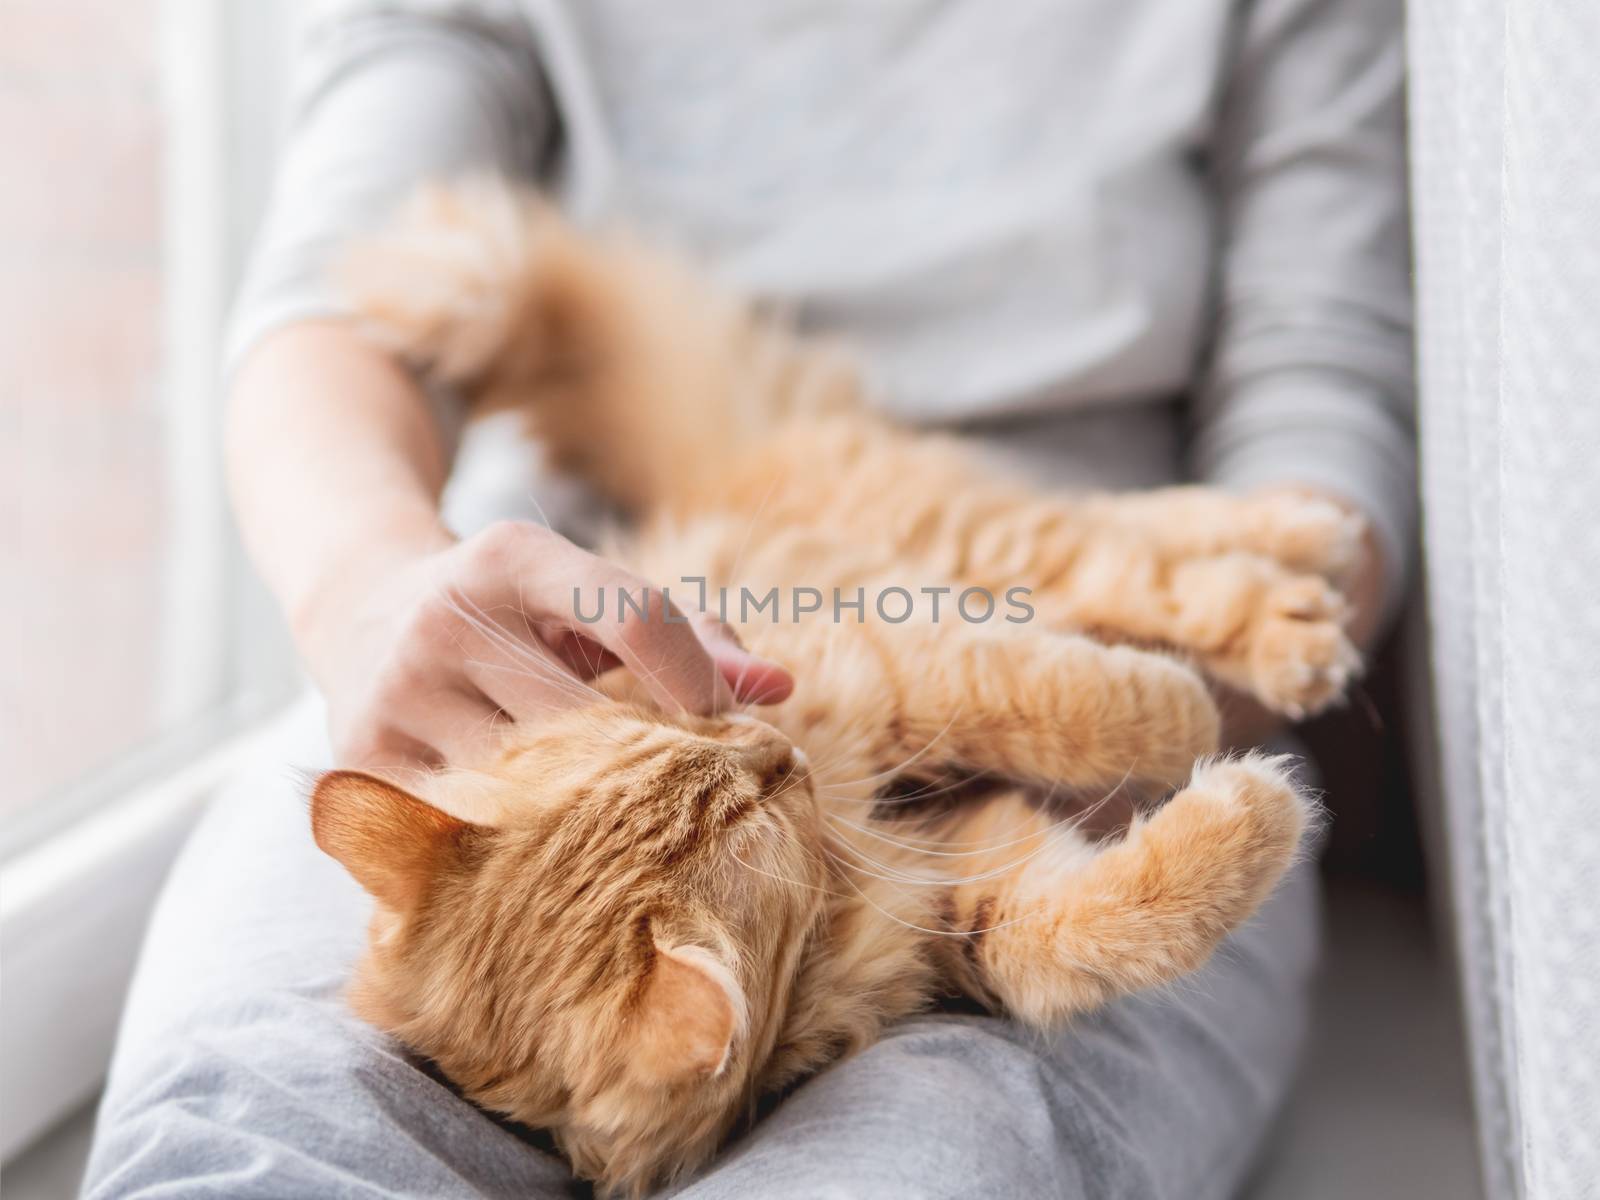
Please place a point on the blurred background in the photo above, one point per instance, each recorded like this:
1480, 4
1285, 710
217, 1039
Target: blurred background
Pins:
139, 654
137, 651
142, 134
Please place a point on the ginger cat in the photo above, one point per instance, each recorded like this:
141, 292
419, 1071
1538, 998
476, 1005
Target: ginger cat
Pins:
637, 923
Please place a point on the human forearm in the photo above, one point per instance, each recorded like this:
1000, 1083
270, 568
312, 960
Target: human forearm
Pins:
334, 457
335, 464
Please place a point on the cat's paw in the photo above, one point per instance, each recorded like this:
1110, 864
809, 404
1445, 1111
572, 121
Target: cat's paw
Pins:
1277, 636
1298, 659
1249, 816
1304, 533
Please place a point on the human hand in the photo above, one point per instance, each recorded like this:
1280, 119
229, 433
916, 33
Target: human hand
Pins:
426, 647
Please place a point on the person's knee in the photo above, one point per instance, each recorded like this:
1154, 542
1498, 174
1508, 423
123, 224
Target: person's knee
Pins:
1031, 1116
943, 1106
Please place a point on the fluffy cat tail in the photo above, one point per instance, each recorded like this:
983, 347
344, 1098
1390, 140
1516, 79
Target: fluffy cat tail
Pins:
638, 374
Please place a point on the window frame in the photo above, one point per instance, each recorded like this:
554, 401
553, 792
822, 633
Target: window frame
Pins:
80, 873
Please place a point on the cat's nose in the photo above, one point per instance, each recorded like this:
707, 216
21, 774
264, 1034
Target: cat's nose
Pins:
769, 756
763, 751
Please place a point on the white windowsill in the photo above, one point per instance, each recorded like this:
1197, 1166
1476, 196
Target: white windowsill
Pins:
72, 915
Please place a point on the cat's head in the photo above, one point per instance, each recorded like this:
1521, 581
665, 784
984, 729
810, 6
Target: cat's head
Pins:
600, 934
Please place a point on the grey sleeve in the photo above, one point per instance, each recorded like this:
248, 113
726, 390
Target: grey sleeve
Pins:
1309, 379
387, 95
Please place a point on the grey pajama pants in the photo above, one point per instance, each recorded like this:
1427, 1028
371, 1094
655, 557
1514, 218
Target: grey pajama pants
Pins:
239, 1072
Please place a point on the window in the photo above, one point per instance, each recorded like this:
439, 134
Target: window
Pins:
136, 648
116, 257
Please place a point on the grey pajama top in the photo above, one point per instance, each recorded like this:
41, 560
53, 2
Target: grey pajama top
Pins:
1013, 209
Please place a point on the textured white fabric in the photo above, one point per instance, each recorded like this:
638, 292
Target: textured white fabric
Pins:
1507, 175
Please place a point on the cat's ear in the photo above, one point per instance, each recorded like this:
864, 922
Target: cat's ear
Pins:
389, 840
691, 1012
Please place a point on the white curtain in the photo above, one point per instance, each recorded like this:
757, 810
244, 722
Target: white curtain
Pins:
1506, 154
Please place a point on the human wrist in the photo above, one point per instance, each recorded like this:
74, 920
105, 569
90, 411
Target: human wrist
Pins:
349, 565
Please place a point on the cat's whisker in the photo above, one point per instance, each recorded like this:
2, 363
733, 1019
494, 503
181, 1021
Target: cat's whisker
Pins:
812, 887
796, 779
649, 675
529, 663
592, 665
907, 798
884, 872
1067, 823
744, 543
738, 559
986, 846
899, 769
894, 876
891, 876
1078, 819
537, 666
824, 764
532, 498
899, 920
514, 669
